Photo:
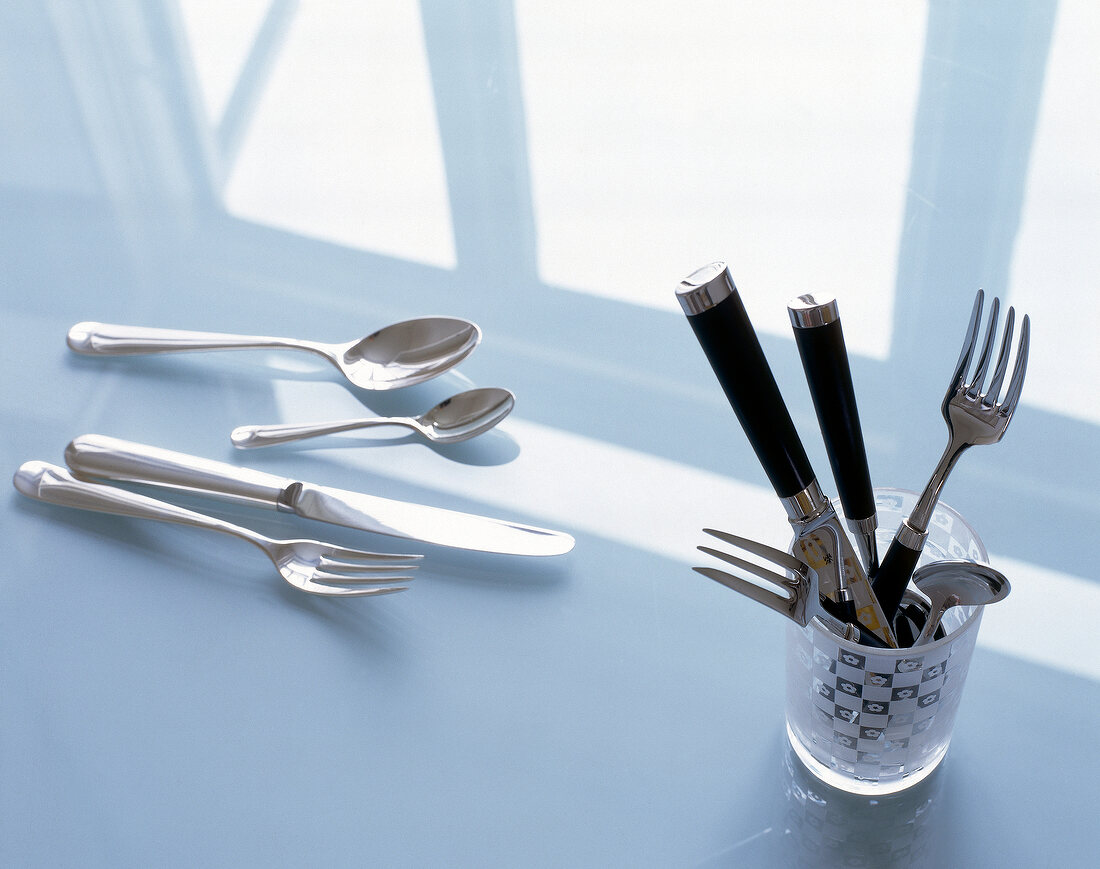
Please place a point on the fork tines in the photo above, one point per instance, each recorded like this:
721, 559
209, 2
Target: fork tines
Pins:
783, 594
755, 547
349, 570
974, 389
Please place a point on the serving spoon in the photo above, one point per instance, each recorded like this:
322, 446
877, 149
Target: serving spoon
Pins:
955, 583
455, 419
402, 354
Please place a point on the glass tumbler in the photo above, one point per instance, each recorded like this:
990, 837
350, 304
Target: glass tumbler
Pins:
875, 721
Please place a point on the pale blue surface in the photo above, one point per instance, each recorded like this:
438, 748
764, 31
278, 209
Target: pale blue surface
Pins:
165, 700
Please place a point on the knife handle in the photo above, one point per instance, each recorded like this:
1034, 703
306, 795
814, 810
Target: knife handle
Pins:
93, 455
820, 340
718, 317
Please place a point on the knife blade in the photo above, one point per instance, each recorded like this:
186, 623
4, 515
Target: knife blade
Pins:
820, 339
717, 316
93, 455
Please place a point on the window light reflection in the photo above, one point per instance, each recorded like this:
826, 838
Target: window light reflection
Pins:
344, 144
1056, 257
763, 134
219, 35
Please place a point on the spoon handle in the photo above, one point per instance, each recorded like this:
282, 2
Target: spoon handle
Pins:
106, 339
934, 619
247, 437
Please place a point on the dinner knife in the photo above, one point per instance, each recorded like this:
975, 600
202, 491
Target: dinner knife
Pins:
100, 456
820, 340
721, 324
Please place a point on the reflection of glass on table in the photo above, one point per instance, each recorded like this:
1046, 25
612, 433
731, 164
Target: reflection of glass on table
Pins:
831, 827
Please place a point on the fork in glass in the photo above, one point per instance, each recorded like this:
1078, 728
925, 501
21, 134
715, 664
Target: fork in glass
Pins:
973, 417
308, 565
796, 594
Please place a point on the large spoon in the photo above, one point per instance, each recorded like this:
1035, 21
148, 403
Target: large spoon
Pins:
954, 583
458, 418
405, 353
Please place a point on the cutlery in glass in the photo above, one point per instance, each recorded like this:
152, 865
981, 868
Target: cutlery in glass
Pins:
721, 325
796, 594
820, 340
956, 583
973, 417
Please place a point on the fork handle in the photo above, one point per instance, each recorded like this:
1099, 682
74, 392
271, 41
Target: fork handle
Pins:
717, 315
55, 485
892, 577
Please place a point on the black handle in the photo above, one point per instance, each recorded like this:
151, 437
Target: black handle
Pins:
721, 324
820, 339
892, 576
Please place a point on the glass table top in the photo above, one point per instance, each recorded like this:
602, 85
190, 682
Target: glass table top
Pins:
550, 172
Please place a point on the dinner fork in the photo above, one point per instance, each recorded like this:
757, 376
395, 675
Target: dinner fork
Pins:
974, 416
797, 595
309, 565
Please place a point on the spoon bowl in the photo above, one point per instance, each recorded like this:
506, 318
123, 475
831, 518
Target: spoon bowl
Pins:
955, 583
406, 353
466, 415
398, 355
455, 419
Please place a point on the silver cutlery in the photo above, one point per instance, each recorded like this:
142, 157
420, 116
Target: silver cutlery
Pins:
797, 595
398, 355
308, 565
718, 318
955, 583
455, 419
99, 456
973, 417
820, 339
941, 584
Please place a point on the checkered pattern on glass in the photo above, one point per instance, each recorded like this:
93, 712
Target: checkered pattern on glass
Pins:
870, 711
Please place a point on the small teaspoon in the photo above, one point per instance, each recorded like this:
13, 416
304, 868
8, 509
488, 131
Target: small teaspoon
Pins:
455, 419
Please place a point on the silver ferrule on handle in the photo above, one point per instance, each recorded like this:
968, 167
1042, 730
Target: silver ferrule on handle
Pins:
910, 537
818, 534
864, 532
867, 525
704, 288
811, 310
806, 506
